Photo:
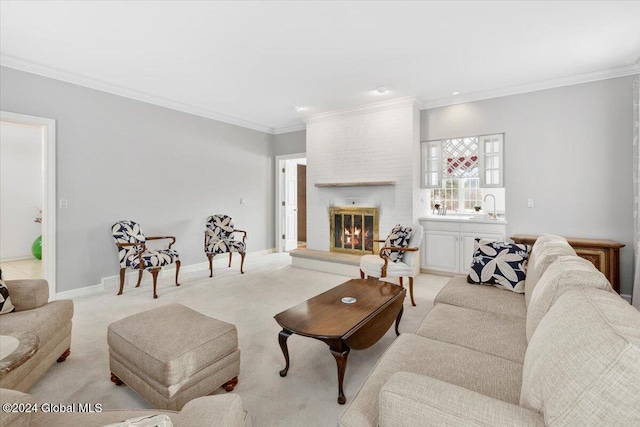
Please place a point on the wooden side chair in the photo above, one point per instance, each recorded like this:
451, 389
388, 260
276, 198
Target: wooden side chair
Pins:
398, 257
218, 239
134, 255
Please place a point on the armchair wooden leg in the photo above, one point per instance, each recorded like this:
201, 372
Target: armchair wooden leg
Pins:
242, 254
177, 271
401, 284
154, 272
413, 303
210, 256
230, 256
361, 274
139, 278
121, 281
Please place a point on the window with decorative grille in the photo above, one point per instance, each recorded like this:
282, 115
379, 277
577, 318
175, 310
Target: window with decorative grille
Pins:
457, 169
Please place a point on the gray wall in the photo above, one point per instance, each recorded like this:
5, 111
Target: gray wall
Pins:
119, 158
569, 149
290, 143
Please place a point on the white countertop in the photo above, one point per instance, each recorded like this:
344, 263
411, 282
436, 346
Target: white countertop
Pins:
475, 218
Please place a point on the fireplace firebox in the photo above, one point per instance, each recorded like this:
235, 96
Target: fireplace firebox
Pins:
353, 230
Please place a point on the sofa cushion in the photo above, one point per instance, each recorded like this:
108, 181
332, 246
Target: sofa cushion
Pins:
500, 264
495, 334
545, 250
27, 294
563, 274
484, 298
412, 400
582, 365
476, 371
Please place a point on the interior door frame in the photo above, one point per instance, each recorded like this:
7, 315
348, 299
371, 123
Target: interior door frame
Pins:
48, 144
279, 193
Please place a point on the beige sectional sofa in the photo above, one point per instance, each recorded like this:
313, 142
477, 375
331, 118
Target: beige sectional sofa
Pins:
567, 352
49, 321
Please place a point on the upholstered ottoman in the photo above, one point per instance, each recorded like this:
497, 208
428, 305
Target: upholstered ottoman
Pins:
172, 354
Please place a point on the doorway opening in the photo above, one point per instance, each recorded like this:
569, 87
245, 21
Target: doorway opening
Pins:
291, 202
27, 197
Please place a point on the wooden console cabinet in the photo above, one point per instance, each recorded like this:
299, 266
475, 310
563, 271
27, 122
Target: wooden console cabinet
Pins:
604, 254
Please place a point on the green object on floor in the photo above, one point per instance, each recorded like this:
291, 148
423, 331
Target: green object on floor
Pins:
36, 248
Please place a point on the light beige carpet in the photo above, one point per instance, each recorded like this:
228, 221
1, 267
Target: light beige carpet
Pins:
306, 396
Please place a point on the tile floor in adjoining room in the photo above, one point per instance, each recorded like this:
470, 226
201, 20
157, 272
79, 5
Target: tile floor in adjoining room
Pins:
21, 269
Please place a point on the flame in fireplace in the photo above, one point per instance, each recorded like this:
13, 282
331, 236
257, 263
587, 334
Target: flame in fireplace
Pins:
353, 236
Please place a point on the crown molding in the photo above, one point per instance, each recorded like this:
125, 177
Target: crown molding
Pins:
287, 129
611, 73
392, 104
54, 73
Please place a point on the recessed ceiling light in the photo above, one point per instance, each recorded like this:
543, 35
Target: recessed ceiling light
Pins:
381, 89
455, 93
298, 109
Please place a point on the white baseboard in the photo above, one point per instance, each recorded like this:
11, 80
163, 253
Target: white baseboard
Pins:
218, 260
80, 292
17, 258
112, 283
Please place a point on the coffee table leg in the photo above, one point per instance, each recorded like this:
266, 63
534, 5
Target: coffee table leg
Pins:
282, 339
341, 361
398, 319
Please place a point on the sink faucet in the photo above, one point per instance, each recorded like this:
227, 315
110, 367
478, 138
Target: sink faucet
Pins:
494, 216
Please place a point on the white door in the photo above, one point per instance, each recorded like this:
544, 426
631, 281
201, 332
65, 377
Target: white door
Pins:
290, 206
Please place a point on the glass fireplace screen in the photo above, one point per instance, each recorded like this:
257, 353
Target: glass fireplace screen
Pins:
353, 230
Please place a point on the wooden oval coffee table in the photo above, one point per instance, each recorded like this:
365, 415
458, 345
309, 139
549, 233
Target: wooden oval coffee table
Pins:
343, 326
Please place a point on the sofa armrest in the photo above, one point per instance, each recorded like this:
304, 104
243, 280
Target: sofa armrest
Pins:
20, 417
408, 399
210, 411
28, 294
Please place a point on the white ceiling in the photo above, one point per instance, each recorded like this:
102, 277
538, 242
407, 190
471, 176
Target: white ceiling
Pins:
250, 63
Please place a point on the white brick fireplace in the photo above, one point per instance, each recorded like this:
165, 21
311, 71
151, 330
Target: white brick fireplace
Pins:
376, 148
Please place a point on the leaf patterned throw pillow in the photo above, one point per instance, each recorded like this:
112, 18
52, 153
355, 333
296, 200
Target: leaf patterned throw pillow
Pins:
399, 237
5, 301
499, 264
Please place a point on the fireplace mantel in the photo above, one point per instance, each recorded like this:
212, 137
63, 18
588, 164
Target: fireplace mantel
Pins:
355, 184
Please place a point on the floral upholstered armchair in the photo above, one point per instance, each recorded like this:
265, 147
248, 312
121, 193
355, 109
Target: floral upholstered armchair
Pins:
134, 255
399, 257
218, 239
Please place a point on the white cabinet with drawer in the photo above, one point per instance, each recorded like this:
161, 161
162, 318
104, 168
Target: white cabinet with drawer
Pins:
448, 245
